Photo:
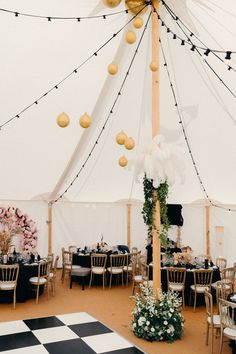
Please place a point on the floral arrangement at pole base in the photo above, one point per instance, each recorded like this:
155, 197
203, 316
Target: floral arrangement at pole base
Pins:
157, 319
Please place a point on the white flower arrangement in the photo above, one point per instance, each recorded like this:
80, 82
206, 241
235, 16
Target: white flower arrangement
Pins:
157, 319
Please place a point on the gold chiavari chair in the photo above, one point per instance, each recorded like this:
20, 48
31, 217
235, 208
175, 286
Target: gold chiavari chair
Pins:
176, 280
8, 279
98, 267
202, 282
117, 263
212, 321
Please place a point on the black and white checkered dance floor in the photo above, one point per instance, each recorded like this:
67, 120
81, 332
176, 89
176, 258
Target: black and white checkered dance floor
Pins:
70, 333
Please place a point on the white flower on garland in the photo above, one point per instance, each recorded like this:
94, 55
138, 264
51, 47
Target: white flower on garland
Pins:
160, 161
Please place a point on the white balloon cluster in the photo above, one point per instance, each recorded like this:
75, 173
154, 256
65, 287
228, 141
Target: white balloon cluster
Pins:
160, 161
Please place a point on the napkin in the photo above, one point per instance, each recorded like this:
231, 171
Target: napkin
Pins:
233, 297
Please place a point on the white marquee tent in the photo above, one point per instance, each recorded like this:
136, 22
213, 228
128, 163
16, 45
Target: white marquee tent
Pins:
40, 160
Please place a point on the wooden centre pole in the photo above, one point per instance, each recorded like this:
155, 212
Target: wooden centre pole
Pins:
128, 206
208, 247
156, 246
49, 222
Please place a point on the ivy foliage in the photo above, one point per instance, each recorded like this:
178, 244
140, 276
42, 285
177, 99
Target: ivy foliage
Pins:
151, 196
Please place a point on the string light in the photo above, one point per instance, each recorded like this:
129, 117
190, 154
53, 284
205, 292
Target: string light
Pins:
109, 115
228, 55
186, 138
56, 86
207, 52
204, 48
196, 48
72, 18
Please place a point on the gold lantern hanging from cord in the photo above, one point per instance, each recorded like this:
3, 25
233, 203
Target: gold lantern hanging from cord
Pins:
129, 143
121, 137
123, 161
85, 121
63, 120
135, 6
112, 68
138, 22
153, 66
130, 37
112, 3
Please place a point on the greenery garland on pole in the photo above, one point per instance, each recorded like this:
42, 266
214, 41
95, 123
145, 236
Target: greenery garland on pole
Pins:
149, 206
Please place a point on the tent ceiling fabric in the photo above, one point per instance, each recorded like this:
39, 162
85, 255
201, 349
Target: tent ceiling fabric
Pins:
37, 54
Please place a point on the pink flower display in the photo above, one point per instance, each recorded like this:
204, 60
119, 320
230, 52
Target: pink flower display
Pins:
13, 221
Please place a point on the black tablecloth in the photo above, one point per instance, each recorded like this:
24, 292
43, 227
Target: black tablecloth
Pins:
24, 290
85, 260
188, 283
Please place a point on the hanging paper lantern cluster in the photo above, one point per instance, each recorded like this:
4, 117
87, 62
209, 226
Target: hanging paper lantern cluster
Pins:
129, 144
123, 139
112, 3
159, 161
63, 120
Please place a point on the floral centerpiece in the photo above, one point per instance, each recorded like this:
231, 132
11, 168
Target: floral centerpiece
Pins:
14, 222
157, 319
183, 258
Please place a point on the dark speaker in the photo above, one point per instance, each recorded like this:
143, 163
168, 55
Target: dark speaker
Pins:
174, 214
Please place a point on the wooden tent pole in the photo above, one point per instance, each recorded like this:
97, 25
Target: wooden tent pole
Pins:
156, 247
128, 207
208, 248
49, 222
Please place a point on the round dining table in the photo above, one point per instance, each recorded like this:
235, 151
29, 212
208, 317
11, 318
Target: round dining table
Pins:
188, 282
24, 290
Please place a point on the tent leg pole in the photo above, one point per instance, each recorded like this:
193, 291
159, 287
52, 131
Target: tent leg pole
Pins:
155, 130
208, 248
49, 222
128, 207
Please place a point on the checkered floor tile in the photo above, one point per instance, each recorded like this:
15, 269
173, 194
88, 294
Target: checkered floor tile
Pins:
63, 334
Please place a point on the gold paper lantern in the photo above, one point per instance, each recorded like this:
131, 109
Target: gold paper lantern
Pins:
130, 37
63, 120
123, 161
136, 5
153, 66
85, 120
112, 3
138, 22
129, 143
112, 68
121, 137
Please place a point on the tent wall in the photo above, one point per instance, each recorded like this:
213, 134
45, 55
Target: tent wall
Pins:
85, 223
